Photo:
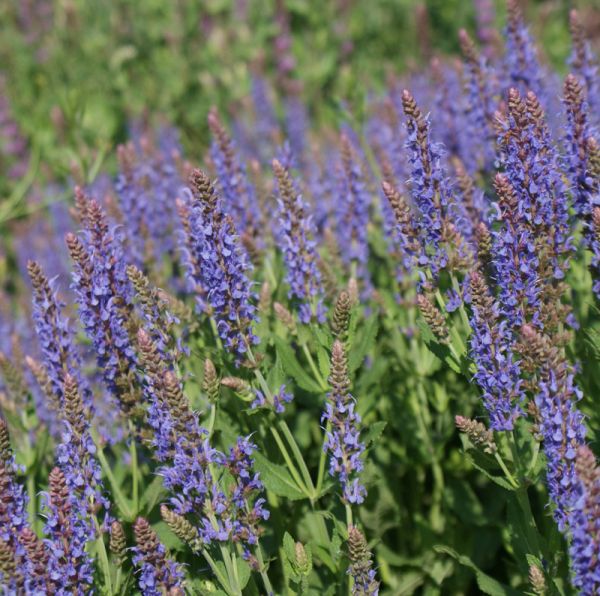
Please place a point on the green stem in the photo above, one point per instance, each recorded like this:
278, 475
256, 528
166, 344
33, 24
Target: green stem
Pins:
285, 429
32, 504
349, 524
263, 571
307, 488
322, 459
507, 473
222, 579
236, 575
134, 468
114, 485
348, 516
211, 419
118, 580
270, 274
314, 368
288, 461
231, 572
103, 556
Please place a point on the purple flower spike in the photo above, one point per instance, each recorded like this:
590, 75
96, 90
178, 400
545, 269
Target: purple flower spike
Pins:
218, 265
342, 442
296, 238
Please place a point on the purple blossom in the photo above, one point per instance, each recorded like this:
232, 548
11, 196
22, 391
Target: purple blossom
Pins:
479, 104
104, 296
584, 547
68, 529
515, 259
296, 239
218, 265
353, 206
498, 372
280, 398
429, 187
156, 573
246, 506
13, 512
239, 195
531, 165
522, 66
584, 64
342, 440
56, 341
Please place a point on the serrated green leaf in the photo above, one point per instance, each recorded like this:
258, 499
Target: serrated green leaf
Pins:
277, 479
440, 350
488, 585
152, 494
243, 570
293, 368
374, 431
366, 341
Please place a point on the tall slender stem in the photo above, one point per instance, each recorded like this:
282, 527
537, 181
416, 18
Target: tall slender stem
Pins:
134, 468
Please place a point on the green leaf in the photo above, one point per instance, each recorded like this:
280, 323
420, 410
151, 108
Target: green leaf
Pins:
359, 349
487, 584
277, 479
374, 431
152, 494
293, 368
243, 570
440, 350
478, 461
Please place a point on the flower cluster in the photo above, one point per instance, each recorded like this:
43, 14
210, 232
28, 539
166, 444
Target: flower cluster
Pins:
157, 573
218, 265
585, 523
104, 296
296, 236
353, 211
343, 429
498, 373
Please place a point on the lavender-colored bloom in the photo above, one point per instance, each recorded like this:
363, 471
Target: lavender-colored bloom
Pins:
584, 64
145, 188
559, 421
428, 185
157, 574
579, 146
353, 212
76, 453
238, 194
497, 370
218, 265
523, 68
296, 238
361, 569
68, 530
479, 104
515, 259
13, 501
280, 398
56, 341
104, 296
486, 32
246, 510
402, 232
584, 530
450, 125
296, 125
342, 441
531, 166
13, 146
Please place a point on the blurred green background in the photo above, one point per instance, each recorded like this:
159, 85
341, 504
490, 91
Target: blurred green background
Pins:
77, 71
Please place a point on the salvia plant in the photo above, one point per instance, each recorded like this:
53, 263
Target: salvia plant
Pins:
318, 361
